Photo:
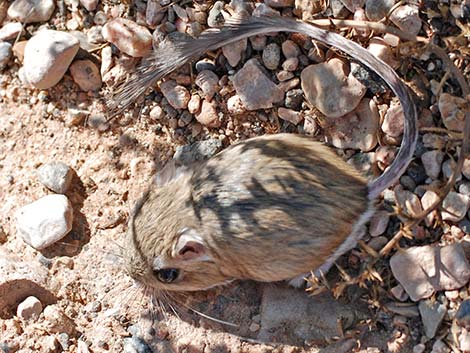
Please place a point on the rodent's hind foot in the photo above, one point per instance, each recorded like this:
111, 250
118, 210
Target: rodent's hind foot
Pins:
299, 281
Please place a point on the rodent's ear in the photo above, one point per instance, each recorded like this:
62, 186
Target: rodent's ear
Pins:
169, 173
191, 247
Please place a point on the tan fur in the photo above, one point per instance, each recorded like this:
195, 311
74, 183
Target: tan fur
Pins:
269, 208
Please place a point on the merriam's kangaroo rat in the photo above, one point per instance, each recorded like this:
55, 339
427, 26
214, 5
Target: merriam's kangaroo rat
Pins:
269, 208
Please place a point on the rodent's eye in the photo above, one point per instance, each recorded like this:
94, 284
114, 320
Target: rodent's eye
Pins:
166, 275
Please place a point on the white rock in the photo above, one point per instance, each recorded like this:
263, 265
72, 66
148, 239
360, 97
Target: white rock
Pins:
56, 176
194, 104
327, 87
422, 270
432, 161
10, 31
30, 308
408, 201
406, 17
28, 11
381, 50
45, 221
357, 130
235, 105
432, 314
428, 199
47, 57
455, 206
5, 54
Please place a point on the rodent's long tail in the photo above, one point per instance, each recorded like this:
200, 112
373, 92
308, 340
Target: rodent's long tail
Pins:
169, 57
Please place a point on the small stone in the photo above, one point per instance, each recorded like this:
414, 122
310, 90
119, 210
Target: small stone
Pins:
432, 161
279, 3
406, 17
448, 168
48, 344
393, 121
90, 5
128, 37
45, 221
464, 340
194, 104
466, 168
271, 56
18, 50
452, 111
258, 43
290, 49
357, 130
215, 18
462, 316
10, 31
432, 314
455, 206
86, 75
368, 79
403, 309
30, 308
254, 327
157, 113
29, 11
440, 347
234, 51
419, 348
208, 115
290, 115
5, 54
399, 293
98, 122
47, 57
326, 87
294, 99
264, 10
55, 321
255, 89
135, 345
377, 243
235, 105
428, 199
178, 96
378, 9
290, 64
56, 176
208, 81
381, 50
422, 270
284, 76
307, 8
378, 223
310, 126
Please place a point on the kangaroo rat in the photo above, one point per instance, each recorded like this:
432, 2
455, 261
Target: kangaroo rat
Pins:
269, 208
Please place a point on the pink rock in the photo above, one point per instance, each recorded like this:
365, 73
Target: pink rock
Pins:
208, 82
406, 17
177, 96
432, 161
357, 129
290, 115
255, 89
327, 87
208, 115
128, 36
234, 51
452, 111
86, 75
422, 270
393, 121
378, 223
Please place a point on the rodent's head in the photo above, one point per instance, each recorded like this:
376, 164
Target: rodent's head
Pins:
164, 250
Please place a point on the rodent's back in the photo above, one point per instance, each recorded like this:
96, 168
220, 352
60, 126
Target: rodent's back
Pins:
276, 205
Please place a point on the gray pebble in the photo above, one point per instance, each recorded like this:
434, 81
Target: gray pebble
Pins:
464, 188
368, 78
64, 340
5, 54
98, 122
377, 9
135, 345
432, 315
271, 56
205, 64
294, 99
407, 182
56, 176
